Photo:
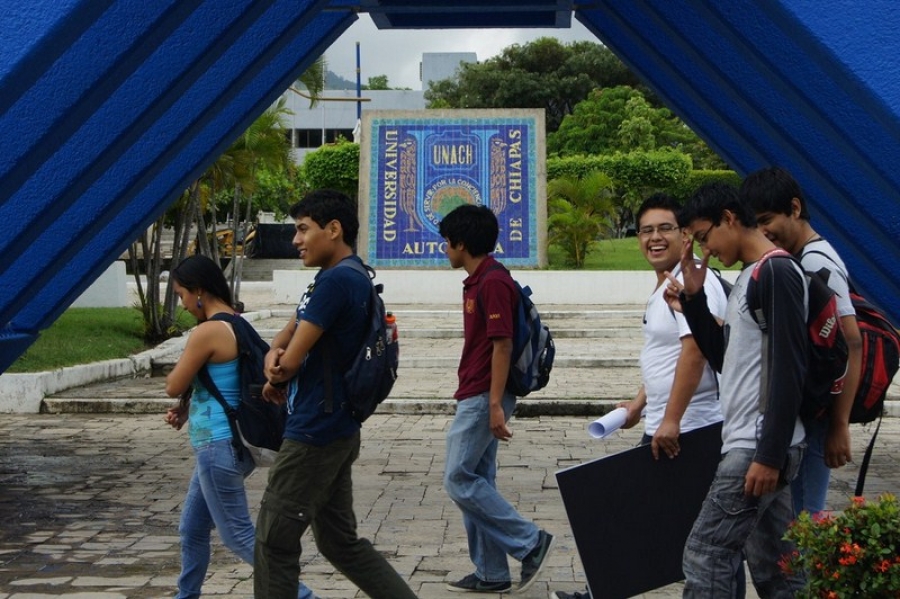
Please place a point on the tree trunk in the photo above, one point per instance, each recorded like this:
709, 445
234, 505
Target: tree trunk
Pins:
214, 224
136, 272
202, 239
245, 230
235, 213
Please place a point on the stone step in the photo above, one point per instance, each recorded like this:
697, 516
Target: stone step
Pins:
432, 350
416, 389
601, 324
457, 333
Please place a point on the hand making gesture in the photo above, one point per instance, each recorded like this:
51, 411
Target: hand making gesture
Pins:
694, 275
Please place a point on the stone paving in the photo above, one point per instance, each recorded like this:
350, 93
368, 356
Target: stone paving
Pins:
90, 501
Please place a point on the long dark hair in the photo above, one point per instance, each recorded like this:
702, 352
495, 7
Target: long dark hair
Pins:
199, 272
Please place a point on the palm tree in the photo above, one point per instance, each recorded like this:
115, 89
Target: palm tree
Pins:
580, 212
313, 79
263, 145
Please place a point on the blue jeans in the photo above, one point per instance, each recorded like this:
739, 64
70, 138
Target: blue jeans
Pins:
493, 526
216, 499
730, 523
811, 485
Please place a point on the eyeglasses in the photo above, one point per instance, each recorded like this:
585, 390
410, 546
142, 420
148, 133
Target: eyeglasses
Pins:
702, 238
663, 229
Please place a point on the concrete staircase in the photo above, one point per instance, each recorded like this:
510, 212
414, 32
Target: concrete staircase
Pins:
596, 364
260, 269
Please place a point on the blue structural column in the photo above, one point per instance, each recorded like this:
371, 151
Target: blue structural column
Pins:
108, 110
810, 86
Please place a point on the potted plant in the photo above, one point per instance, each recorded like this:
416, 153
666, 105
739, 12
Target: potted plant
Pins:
855, 553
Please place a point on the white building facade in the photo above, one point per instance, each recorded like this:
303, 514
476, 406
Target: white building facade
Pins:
335, 115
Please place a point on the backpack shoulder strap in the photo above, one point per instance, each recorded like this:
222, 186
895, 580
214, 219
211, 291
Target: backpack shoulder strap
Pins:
770, 254
831, 259
361, 268
328, 342
753, 307
864, 468
207, 381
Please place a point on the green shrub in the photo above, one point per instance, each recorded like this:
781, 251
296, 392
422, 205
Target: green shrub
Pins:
334, 166
686, 187
851, 554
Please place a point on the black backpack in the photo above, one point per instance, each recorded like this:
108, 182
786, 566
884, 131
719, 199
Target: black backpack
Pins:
533, 348
370, 376
256, 424
827, 363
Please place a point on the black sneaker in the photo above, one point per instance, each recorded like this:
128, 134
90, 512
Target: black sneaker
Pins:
575, 595
473, 584
535, 561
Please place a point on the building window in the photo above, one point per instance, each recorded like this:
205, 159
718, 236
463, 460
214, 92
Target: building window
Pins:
307, 138
332, 135
312, 138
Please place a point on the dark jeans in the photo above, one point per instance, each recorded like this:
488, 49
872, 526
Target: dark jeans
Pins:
311, 486
732, 525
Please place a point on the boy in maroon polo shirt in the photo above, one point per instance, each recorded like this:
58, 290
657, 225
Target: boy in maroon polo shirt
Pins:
494, 527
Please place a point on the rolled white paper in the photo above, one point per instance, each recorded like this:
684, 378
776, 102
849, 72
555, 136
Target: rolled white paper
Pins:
608, 423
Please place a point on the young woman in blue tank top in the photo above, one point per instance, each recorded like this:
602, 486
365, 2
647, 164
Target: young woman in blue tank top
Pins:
216, 497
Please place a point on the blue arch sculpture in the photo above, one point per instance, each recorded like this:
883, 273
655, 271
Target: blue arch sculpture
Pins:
109, 108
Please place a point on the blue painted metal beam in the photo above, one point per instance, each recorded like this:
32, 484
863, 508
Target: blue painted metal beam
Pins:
110, 108
455, 14
110, 130
790, 84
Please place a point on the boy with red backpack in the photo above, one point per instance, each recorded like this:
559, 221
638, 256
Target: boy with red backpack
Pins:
782, 216
748, 506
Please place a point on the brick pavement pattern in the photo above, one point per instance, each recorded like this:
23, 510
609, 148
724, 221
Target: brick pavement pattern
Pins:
90, 495
90, 503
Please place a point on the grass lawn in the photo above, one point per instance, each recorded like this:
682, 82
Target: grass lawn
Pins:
612, 254
83, 335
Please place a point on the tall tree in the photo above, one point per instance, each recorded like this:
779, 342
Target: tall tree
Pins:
263, 145
379, 82
621, 119
313, 79
540, 74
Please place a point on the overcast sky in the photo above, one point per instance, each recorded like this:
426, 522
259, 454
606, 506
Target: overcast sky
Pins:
397, 52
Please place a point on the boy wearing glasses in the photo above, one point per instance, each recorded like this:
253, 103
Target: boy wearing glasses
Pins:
748, 507
782, 217
679, 392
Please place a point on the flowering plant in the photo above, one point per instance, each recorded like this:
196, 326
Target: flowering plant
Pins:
852, 554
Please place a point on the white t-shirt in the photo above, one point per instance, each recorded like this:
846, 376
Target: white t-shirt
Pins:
812, 259
663, 331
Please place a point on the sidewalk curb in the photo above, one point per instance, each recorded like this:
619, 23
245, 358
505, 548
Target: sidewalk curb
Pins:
525, 408
25, 392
